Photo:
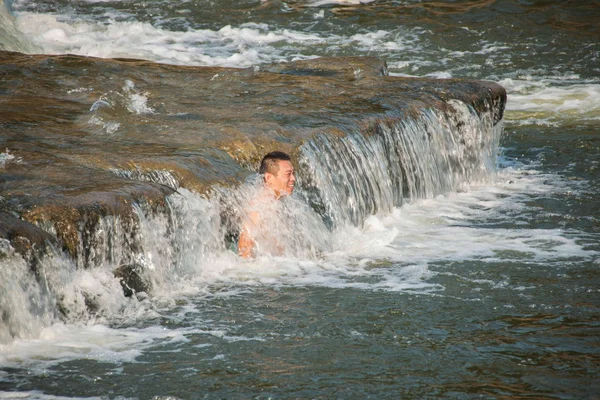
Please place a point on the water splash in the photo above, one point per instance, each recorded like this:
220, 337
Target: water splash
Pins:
25, 308
116, 106
288, 227
185, 244
347, 179
162, 177
11, 38
7, 158
554, 101
160, 247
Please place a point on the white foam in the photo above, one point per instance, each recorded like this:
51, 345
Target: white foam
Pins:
242, 46
380, 40
108, 110
37, 395
232, 46
60, 342
440, 75
137, 103
11, 38
24, 307
319, 3
7, 158
393, 251
551, 101
390, 252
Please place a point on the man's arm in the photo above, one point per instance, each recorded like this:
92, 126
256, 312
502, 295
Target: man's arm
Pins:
246, 243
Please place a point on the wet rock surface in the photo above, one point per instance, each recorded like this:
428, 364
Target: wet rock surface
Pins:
89, 144
131, 279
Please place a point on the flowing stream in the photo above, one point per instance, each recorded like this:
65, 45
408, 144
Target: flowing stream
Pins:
448, 256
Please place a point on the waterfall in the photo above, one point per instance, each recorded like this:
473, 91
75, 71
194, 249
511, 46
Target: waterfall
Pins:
363, 173
122, 261
11, 39
153, 248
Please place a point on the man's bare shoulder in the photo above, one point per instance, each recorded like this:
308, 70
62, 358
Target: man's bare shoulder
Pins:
254, 216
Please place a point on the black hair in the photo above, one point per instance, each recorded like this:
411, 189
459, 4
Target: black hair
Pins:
269, 162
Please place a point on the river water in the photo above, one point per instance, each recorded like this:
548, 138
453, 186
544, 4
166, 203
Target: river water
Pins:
488, 290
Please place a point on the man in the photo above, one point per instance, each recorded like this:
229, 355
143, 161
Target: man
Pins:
278, 181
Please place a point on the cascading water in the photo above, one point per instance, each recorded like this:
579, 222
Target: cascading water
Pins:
11, 38
411, 159
26, 306
409, 274
343, 179
158, 248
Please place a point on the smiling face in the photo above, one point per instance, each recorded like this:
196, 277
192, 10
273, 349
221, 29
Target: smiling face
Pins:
282, 180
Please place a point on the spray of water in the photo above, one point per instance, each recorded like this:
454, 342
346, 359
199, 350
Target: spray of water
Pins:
414, 158
114, 106
11, 38
125, 266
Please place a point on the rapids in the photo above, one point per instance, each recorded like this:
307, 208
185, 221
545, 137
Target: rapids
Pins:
443, 239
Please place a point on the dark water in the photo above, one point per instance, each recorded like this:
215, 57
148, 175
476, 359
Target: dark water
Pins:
489, 291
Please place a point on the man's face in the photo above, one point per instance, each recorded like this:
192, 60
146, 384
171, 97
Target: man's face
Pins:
282, 182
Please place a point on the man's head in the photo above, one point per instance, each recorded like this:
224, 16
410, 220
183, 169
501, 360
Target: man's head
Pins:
278, 173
